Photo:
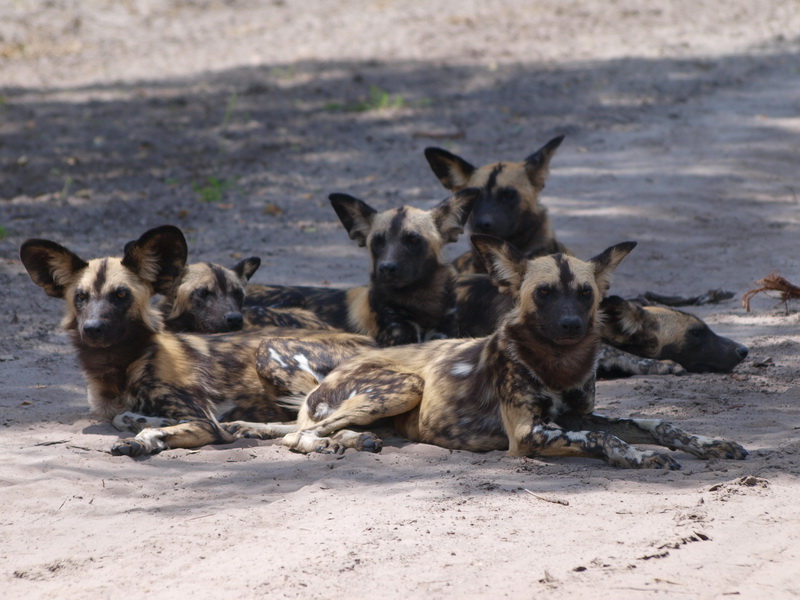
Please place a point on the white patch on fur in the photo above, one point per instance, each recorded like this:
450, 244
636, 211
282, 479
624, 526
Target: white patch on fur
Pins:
302, 363
322, 411
462, 369
276, 357
151, 440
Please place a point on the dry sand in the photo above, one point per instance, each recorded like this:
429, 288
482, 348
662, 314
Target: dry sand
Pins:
683, 132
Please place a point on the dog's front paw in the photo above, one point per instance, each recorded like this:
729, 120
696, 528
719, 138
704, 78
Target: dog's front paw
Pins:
664, 367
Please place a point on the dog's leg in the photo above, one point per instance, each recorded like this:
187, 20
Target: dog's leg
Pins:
260, 431
190, 434
613, 360
656, 431
379, 394
545, 440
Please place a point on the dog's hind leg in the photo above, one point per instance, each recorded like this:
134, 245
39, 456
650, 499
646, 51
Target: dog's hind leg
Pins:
353, 398
260, 431
612, 361
656, 431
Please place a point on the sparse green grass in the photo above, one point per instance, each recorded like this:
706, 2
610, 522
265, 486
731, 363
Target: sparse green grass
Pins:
3, 233
213, 189
378, 99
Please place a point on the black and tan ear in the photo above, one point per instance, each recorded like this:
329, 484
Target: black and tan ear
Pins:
453, 171
626, 325
356, 216
158, 256
50, 265
505, 264
607, 261
451, 215
245, 268
537, 165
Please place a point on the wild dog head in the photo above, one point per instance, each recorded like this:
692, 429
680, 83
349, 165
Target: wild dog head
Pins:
557, 297
668, 334
208, 297
508, 207
108, 299
405, 243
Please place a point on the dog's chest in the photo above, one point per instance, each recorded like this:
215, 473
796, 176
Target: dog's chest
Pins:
574, 401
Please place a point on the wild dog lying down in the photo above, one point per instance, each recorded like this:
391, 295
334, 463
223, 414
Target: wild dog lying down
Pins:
137, 373
208, 298
410, 297
652, 340
528, 388
508, 207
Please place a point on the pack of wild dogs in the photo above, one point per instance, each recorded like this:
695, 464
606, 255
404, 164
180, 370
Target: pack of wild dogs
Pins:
497, 350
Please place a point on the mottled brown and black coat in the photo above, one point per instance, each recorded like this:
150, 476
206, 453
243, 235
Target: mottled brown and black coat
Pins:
508, 206
171, 388
209, 298
410, 297
528, 388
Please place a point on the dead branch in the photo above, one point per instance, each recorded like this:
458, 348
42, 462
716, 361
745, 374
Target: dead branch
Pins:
773, 283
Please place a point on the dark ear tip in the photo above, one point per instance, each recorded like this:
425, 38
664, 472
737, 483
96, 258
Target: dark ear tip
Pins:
556, 141
628, 245
254, 259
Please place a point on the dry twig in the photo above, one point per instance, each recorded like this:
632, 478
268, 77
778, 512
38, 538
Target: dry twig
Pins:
776, 283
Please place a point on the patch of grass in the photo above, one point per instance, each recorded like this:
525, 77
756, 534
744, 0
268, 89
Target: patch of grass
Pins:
3, 233
378, 99
213, 189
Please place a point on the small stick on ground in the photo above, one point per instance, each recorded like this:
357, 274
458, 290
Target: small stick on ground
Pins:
552, 500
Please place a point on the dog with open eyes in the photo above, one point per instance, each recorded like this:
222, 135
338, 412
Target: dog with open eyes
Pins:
529, 387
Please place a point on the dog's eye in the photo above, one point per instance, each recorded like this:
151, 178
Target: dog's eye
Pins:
202, 293
543, 291
81, 296
378, 241
586, 291
122, 294
413, 239
507, 195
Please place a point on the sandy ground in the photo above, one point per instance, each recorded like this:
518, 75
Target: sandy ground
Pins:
683, 132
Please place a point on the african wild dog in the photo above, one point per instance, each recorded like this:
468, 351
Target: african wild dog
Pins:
410, 296
508, 207
208, 298
138, 374
668, 334
528, 388
638, 340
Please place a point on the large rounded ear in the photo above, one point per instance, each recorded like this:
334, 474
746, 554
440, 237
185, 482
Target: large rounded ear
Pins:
159, 256
50, 265
537, 165
356, 216
626, 325
453, 171
246, 267
505, 264
607, 261
451, 215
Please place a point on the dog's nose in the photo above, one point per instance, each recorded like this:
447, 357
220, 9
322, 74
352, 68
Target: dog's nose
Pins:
482, 225
388, 268
92, 328
742, 351
234, 320
569, 324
